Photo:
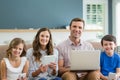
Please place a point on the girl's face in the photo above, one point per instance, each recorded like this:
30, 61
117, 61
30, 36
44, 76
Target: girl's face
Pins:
44, 37
109, 46
17, 50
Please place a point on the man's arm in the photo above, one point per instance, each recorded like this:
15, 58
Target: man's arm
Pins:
62, 69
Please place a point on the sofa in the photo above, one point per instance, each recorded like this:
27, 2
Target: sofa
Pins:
96, 45
3, 48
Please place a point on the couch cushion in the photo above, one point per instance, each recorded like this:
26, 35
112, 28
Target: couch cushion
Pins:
3, 51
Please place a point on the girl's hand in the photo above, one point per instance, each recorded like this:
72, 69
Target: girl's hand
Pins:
24, 78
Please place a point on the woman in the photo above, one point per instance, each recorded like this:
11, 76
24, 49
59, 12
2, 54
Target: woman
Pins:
42, 46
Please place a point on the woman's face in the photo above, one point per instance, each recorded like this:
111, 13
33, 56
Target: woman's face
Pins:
44, 38
17, 50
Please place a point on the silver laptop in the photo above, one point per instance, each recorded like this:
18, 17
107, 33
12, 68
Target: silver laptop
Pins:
85, 60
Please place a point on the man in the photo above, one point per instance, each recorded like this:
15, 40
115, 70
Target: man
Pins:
74, 42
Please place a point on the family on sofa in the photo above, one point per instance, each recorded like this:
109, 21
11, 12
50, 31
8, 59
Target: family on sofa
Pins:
22, 65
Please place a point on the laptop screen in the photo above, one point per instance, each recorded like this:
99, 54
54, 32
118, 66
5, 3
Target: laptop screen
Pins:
85, 59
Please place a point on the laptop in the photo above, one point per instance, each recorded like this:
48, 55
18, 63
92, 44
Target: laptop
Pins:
85, 60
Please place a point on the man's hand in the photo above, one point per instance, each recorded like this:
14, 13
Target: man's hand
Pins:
81, 74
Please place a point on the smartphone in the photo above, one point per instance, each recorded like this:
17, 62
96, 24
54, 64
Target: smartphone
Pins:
22, 75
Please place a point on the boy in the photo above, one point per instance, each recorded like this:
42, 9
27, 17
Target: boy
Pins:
109, 60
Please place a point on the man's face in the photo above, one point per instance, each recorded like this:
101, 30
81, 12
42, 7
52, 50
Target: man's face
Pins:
76, 29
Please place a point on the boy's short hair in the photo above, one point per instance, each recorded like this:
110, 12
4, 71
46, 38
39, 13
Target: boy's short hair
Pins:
108, 38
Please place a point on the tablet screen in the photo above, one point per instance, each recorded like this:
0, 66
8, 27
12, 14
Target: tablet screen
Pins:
48, 59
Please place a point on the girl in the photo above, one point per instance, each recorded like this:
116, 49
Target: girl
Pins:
42, 46
15, 62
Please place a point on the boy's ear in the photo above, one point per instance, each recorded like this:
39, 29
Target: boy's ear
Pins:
115, 45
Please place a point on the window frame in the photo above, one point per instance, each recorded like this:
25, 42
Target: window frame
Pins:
105, 21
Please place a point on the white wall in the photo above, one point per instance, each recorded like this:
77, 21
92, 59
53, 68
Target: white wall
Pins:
6, 37
116, 19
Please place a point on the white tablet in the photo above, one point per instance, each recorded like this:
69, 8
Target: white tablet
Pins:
48, 59
112, 76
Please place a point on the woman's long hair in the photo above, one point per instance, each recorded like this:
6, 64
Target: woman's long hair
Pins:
36, 45
13, 44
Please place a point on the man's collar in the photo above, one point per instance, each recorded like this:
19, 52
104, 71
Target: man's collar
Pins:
72, 43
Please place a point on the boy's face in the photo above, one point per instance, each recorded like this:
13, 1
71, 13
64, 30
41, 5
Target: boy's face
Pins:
109, 46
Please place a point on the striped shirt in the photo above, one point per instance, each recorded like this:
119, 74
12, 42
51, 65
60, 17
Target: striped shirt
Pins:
35, 65
66, 46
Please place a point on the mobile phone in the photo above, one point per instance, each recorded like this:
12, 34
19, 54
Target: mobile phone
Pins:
22, 75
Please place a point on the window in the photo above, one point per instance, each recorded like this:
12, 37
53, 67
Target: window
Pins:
117, 23
95, 14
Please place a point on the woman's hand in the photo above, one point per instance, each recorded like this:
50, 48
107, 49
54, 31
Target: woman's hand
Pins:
43, 68
52, 66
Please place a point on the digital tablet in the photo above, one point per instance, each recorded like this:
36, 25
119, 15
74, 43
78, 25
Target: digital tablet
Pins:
48, 59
